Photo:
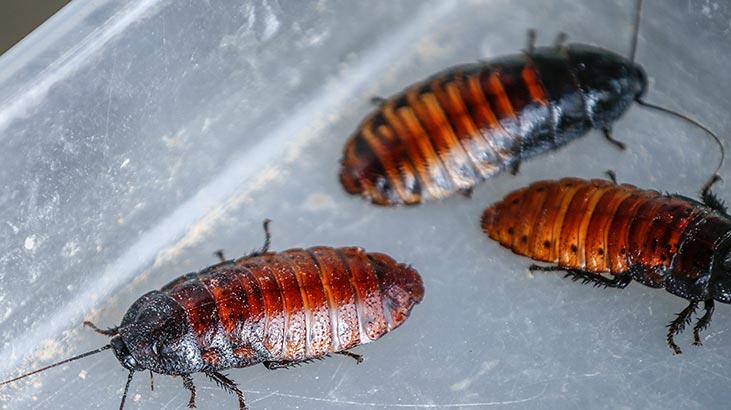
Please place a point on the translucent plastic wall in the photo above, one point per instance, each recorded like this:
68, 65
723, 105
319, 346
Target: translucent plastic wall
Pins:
139, 137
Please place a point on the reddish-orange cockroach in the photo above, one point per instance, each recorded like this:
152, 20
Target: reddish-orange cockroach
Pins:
591, 228
276, 308
468, 123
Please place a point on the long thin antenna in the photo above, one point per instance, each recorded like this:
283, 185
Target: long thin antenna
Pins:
635, 31
126, 389
81, 356
715, 177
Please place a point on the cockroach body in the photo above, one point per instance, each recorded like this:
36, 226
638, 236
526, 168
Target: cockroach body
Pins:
590, 228
470, 122
279, 309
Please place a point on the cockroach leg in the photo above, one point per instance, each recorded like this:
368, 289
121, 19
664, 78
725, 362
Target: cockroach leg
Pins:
152, 382
219, 255
188, 384
619, 282
608, 135
677, 326
612, 176
466, 192
284, 364
229, 385
515, 167
703, 322
378, 100
267, 240
111, 332
358, 358
560, 40
710, 199
531, 44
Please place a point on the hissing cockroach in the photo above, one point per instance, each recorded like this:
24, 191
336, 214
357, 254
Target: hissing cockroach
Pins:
276, 308
590, 228
468, 123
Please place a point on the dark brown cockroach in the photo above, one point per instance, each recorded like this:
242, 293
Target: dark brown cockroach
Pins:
276, 308
590, 228
468, 123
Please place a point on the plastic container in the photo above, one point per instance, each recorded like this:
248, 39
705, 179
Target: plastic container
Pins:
138, 137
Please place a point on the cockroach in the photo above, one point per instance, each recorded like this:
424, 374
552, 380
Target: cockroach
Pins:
607, 234
277, 308
469, 122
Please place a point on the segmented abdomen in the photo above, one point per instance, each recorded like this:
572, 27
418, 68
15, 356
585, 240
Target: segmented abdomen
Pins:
598, 226
462, 126
296, 304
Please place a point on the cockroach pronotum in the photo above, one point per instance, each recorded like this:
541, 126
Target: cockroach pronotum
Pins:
608, 234
470, 122
276, 308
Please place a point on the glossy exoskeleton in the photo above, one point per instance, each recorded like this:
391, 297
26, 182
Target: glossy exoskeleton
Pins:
468, 123
591, 229
276, 308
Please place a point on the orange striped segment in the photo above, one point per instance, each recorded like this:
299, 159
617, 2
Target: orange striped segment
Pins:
440, 182
404, 168
465, 129
496, 89
597, 240
334, 277
535, 87
496, 135
427, 113
369, 293
385, 156
319, 329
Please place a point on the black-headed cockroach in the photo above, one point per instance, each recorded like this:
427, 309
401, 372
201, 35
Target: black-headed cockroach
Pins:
468, 123
608, 234
276, 308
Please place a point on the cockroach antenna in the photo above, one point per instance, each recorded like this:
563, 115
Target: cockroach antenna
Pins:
633, 51
126, 389
71, 359
635, 31
715, 177
81, 356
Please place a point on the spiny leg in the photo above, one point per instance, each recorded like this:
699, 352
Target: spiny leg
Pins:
608, 135
285, 364
229, 385
358, 358
619, 282
531, 45
612, 176
111, 332
466, 192
515, 168
709, 198
267, 240
703, 322
378, 100
560, 40
188, 384
677, 326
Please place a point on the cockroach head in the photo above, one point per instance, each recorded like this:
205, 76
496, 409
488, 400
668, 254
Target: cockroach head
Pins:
609, 82
157, 335
123, 355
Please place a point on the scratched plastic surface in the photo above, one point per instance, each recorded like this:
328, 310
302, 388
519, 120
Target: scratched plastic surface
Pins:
139, 137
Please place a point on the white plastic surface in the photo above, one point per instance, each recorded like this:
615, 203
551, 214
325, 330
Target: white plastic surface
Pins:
138, 137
